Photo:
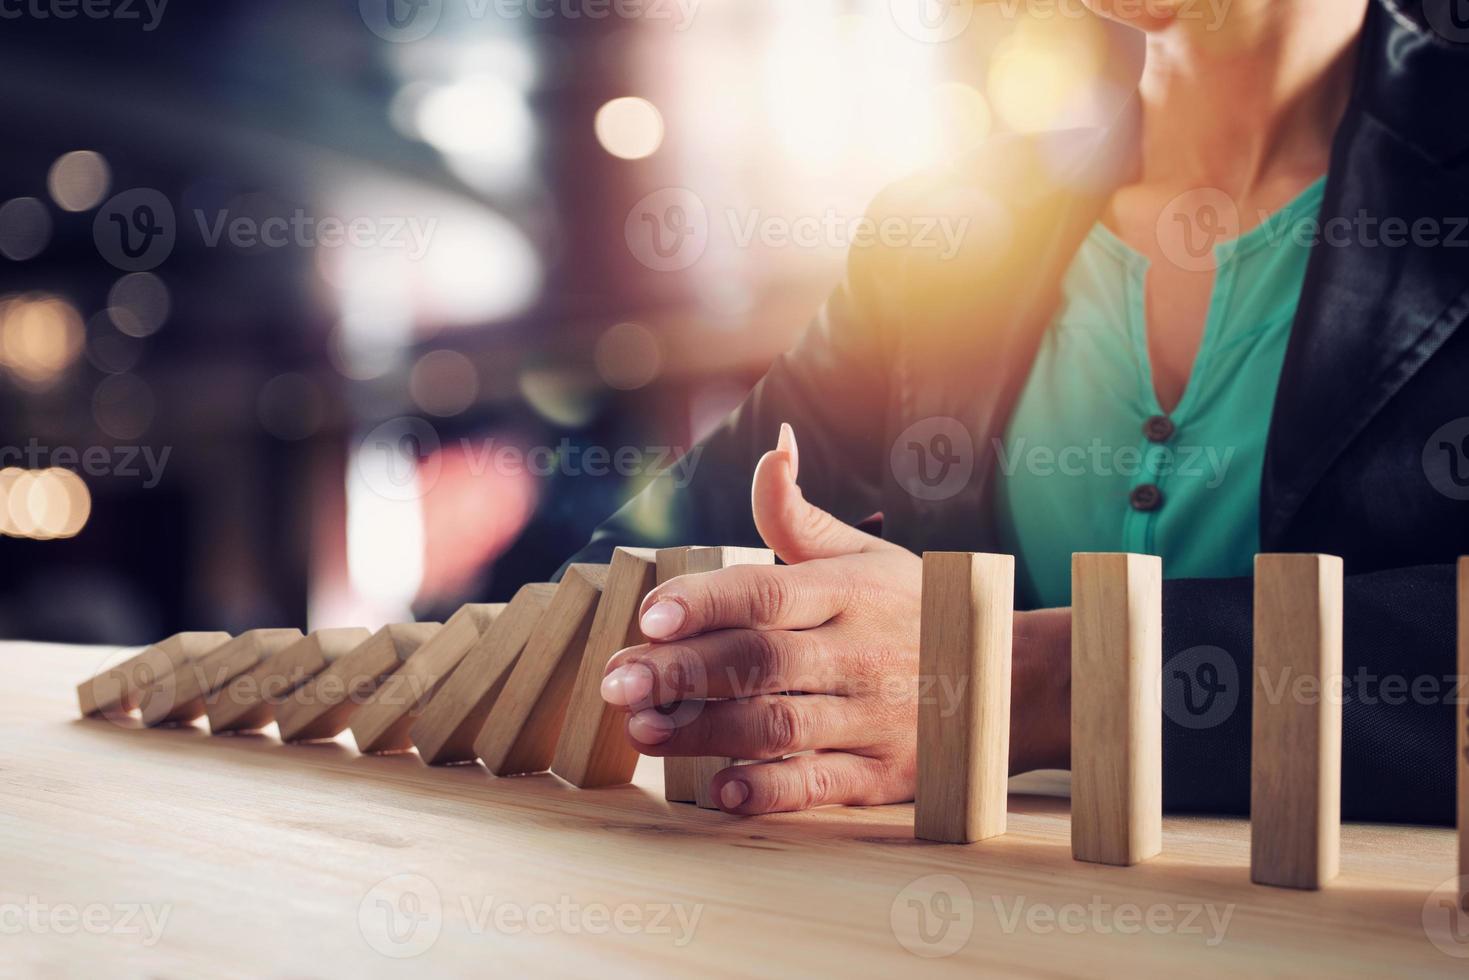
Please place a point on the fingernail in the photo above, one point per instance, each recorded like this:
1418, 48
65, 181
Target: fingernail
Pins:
735, 792
627, 685
663, 620
651, 727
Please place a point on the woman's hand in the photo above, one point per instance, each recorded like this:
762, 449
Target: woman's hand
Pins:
819, 656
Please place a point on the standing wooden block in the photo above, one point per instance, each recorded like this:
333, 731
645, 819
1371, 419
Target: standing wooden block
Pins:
686, 779
1295, 768
117, 690
1116, 708
1463, 710
445, 731
520, 732
249, 702
381, 725
180, 697
593, 749
323, 706
965, 638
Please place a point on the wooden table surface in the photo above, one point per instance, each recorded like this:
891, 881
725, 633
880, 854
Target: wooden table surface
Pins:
171, 853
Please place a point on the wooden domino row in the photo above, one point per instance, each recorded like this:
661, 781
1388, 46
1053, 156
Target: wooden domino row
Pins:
516, 685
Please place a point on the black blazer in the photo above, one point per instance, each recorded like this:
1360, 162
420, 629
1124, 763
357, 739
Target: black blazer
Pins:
1368, 455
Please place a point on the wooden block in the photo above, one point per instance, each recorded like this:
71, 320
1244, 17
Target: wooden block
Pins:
181, 697
117, 690
1295, 767
686, 779
593, 749
1463, 710
249, 702
520, 731
381, 725
965, 637
322, 707
1116, 708
445, 731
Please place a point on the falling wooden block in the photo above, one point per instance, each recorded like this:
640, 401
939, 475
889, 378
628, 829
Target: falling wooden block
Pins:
686, 779
117, 690
445, 731
1116, 708
593, 749
520, 731
1463, 709
249, 702
1295, 768
322, 707
965, 636
381, 725
180, 697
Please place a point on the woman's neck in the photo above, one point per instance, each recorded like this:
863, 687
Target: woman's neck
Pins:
1257, 98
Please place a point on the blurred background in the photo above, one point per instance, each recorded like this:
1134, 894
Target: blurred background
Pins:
337, 313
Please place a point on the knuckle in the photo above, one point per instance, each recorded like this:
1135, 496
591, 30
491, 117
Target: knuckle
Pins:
767, 656
767, 597
782, 727
820, 785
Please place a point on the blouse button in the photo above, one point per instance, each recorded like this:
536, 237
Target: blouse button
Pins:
1159, 428
1146, 498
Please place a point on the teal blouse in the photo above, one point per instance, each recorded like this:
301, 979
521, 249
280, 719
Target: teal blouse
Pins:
1091, 462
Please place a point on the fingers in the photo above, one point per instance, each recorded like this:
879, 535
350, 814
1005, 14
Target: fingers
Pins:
808, 781
724, 664
790, 525
766, 727
762, 597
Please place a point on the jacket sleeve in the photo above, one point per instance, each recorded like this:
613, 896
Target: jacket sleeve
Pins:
1399, 695
831, 387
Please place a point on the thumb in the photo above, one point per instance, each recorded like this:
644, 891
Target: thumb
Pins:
792, 527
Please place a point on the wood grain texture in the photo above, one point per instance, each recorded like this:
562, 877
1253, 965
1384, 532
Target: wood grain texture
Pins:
1295, 766
272, 862
181, 696
381, 725
354, 662
1116, 708
965, 638
116, 690
520, 732
248, 702
687, 779
1463, 716
593, 749
445, 731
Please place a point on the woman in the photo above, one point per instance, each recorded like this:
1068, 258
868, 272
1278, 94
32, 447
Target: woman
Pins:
1212, 278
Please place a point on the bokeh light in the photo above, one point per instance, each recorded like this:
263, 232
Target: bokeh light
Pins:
291, 407
43, 504
79, 180
123, 406
444, 383
630, 128
139, 304
25, 228
628, 356
40, 337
